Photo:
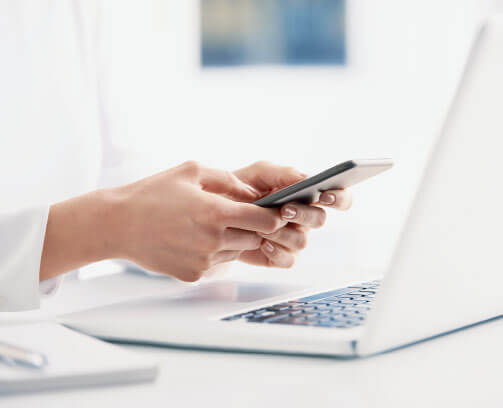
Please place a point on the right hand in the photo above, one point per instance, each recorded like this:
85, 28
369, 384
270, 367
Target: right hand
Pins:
179, 222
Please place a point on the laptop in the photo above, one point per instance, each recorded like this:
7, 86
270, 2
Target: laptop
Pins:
445, 275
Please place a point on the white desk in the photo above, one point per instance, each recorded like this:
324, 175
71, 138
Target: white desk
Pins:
457, 370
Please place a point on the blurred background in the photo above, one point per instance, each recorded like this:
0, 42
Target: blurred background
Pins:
272, 31
307, 83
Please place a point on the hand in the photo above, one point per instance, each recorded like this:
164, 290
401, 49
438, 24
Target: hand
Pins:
280, 248
177, 222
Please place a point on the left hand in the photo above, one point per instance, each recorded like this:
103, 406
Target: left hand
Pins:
280, 248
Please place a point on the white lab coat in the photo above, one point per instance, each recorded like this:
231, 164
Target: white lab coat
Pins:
53, 138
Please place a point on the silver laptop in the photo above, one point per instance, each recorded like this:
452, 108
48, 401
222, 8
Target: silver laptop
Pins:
446, 273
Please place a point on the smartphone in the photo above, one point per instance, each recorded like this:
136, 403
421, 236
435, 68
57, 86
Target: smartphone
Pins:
341, 176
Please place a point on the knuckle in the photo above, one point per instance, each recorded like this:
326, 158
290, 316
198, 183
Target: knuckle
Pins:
192, 168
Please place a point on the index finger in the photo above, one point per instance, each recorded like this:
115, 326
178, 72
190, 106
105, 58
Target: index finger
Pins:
251, 217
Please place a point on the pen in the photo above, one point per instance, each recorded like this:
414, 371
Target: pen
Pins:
14, 355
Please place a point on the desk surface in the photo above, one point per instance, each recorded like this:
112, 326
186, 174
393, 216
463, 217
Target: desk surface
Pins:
456, 370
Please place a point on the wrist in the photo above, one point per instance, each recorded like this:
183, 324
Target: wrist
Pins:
80, 231
108, 220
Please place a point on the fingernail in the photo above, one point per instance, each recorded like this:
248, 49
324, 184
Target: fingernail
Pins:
268, 247
289, 212
327, 199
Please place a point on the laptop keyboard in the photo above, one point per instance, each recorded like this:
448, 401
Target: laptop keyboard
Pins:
340, 308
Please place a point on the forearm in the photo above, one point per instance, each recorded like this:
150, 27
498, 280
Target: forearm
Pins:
79, 231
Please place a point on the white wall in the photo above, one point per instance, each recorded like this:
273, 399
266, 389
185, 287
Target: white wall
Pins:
405, 59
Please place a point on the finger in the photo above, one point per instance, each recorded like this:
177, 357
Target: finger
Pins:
240, 240
255, 257
222, 182
307, 215
265, 176
252, 218
277, 255
290, 237
225, 256
339, 199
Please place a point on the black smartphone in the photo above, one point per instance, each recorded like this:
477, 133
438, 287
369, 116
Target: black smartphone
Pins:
341, 176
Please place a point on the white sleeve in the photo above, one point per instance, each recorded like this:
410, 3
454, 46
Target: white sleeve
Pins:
21, 241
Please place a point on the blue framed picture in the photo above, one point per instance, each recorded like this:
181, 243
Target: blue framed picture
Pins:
290, 32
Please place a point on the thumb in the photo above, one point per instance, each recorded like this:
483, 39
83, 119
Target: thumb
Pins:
267, 177
223, 182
